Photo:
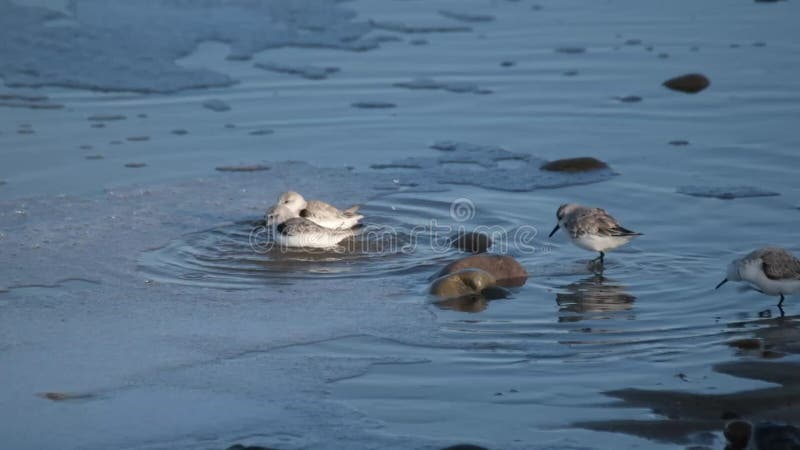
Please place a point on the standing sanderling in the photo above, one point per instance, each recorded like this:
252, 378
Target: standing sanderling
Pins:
321, 213
592, 228
771, 270
293, 231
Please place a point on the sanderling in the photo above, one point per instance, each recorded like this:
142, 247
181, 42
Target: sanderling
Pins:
592, 228
290, 230
771, 270
321, 213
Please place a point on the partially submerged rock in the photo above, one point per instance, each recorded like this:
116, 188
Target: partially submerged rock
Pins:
462, 283
581, 164
506, 270
471, 241
738, 432
691, 83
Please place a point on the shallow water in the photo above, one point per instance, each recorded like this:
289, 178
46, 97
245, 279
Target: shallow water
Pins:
138, 291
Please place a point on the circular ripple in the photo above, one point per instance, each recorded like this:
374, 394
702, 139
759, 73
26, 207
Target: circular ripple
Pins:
398, 239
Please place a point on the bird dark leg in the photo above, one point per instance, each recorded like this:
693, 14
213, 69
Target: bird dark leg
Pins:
780, 303
602, 256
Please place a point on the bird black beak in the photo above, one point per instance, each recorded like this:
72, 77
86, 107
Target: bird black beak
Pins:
721, 283
554, 230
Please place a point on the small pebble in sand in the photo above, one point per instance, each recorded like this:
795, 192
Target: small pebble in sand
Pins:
679, 142
373, 105
571, 50
243, 168
580, 164
629, 99
690, 83
262, 132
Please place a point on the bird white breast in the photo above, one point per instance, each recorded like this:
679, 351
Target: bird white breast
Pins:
754, 274
311, 240
598, 243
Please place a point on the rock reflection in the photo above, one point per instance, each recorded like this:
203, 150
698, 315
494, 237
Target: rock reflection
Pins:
689, 416
593, 298
775, 337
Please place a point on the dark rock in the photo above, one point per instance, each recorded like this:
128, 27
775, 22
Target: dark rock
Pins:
506, 270
471, 241
581, 164
462, 283
691, 83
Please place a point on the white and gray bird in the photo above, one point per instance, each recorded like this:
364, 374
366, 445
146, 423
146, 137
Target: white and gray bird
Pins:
592, 229
290, 230
771, 270
321, 213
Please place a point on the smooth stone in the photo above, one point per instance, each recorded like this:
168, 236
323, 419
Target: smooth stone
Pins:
462, 283
471, 241
691, 83
506, 270
581, 164
738, 432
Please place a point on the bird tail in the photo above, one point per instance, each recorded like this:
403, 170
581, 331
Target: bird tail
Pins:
352, 210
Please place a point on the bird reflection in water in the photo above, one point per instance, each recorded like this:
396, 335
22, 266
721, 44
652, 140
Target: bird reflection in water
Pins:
593, 298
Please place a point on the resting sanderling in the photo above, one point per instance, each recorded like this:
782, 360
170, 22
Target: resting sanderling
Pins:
771, 270
592, 228
321, 213
290, 230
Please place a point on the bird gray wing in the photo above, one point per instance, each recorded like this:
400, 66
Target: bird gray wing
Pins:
778, 264
316, 208
598, 221
298, 225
